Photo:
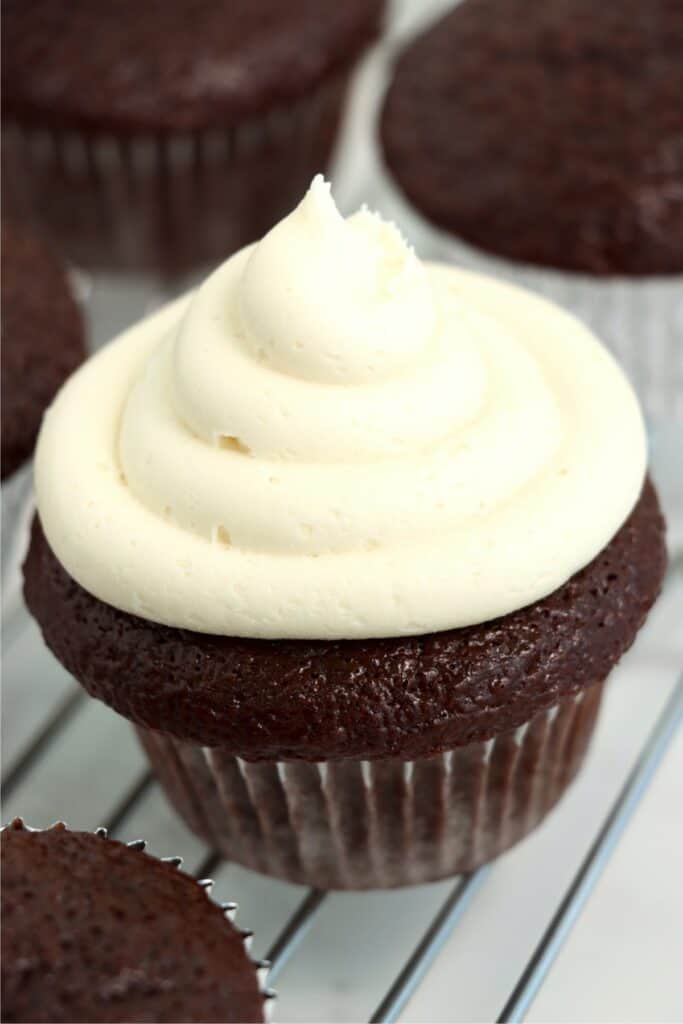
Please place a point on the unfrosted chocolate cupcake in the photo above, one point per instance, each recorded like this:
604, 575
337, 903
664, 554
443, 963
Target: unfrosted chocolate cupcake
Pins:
42, 343
549, 135
185, 130
360, 542
94, 930
42, 339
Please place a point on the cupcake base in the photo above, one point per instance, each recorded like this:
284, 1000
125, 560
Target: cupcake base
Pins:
378, 824
169, 202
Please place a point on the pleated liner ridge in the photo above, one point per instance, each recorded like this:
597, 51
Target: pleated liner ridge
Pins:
173, 201
384, 823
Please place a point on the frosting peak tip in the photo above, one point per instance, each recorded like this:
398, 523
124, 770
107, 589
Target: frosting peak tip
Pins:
331, 299
319, 201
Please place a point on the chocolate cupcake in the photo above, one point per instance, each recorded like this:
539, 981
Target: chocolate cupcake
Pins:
360, 543
551, 136
186, 132
42, 339
94, 930
42, 343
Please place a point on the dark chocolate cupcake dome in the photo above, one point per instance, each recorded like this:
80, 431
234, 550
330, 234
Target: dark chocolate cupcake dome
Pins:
548, 133
322, 700
172, 64
94, 930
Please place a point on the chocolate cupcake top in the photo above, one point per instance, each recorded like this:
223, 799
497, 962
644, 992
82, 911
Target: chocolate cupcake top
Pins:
331, 440
549, 133
319, 700
42, 339
172, 64
96, 931
338, 503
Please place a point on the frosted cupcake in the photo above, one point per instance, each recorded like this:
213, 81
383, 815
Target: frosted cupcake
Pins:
355, 542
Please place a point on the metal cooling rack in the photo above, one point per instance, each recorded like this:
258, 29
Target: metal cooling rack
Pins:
69, 757
60, 741
58, 738
51, 740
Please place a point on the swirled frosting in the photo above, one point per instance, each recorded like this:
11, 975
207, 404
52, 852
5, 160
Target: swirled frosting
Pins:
330, 439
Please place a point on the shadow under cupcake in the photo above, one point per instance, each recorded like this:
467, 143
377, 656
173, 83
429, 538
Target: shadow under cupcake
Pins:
355, 544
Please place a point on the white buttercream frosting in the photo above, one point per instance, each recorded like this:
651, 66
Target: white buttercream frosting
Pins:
331, 439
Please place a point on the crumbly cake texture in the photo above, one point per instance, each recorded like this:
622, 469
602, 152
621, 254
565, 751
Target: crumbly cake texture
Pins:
406, 697
96, 931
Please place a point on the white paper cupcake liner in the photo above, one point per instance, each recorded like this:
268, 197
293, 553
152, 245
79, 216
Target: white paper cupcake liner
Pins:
384, 823
170, 202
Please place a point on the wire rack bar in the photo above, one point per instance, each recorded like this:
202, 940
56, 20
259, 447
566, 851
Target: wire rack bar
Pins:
433, 940
294, 931
596, 859
208, 865
429, 947
129, 801
62, 714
